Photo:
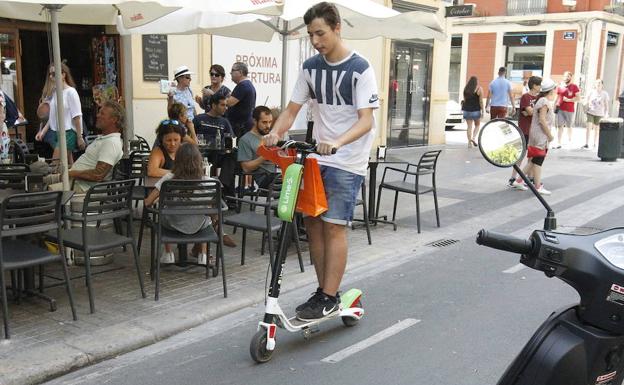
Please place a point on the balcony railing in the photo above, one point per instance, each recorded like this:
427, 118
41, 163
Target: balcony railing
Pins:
526, 7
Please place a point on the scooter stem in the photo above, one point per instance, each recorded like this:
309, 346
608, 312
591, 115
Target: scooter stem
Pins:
550, 222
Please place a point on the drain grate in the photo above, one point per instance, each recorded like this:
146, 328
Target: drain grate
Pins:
442, 242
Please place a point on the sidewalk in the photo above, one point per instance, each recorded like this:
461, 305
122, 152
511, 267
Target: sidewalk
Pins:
45, 344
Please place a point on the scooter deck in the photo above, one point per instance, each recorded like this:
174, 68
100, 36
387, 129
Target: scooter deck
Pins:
294, 321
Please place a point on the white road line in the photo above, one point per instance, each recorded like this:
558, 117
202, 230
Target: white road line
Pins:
577, 215
514, 269
370, 341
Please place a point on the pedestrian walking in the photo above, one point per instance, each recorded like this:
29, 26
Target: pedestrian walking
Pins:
568, 94
597, 107
527, 103
472, 108
499, 96
540, 134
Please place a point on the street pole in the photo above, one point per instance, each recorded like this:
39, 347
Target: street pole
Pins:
58, 80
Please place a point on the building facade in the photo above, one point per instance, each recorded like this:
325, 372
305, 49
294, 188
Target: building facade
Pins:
539, 37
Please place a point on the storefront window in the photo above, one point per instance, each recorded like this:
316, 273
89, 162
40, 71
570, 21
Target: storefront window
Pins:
524, 55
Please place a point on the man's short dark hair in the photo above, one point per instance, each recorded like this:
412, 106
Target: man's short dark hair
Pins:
215, 99
502, 70
326, 11
242, 67
534, 81
260, 110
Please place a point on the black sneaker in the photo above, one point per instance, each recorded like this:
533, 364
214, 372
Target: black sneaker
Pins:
316, 294
510, 182
321, 307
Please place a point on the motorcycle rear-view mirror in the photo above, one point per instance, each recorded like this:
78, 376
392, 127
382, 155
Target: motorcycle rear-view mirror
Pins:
502, 143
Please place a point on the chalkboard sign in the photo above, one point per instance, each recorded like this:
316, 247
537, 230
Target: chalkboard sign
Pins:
155, 57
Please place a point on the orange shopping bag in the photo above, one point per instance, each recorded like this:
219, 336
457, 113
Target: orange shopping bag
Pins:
311, 199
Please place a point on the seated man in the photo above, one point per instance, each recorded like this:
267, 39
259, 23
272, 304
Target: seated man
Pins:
97, 162
208, 124
250, 161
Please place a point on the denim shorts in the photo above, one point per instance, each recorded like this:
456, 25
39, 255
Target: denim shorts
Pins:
341, 189
472, 115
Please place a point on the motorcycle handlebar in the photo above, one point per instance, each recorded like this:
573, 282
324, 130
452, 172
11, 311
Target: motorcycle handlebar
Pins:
305, 146
504, 242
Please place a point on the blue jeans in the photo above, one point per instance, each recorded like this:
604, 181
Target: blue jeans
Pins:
341, 189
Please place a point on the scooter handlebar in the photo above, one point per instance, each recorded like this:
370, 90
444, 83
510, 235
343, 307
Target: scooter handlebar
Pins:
504, 242
305, 146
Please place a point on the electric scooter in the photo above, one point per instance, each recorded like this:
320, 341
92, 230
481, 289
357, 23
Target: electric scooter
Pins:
581, 344
263, 342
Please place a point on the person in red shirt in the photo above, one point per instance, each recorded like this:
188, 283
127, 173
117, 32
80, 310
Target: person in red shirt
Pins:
568, 93
527, 101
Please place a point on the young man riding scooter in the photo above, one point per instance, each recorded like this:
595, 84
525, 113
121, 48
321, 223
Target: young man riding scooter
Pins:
343, 92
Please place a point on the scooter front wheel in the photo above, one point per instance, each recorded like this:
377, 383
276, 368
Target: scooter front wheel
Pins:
258, 348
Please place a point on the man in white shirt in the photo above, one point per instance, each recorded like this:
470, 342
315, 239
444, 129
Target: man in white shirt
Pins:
97, 162
342, 89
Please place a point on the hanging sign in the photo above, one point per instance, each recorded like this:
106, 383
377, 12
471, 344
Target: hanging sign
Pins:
569, 35
459, 10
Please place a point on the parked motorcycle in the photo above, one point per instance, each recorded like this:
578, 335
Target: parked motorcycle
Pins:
582, 344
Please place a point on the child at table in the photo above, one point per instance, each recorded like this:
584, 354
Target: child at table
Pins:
188, 165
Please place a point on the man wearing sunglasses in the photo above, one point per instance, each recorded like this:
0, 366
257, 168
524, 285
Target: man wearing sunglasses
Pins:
242, 101
182, 93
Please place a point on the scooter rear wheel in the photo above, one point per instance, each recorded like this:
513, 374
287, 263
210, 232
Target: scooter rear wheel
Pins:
350, 321
257, 347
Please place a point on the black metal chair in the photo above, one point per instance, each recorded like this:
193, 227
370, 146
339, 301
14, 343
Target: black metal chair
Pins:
12, 176
183, 198
263, 221
426, 166
138, 172
139, 144
103, 201
28, 214
363, 202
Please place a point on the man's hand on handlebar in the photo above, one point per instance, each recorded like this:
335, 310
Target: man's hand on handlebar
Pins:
270, 139
325, 148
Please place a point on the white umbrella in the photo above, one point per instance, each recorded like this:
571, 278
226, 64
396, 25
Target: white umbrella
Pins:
361, 20
105, 12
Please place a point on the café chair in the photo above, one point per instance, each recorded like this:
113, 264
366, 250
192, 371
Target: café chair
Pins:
139, 144
12, 176
103, 201
263, 220
183, 198
363, 202
410, 183
29, 214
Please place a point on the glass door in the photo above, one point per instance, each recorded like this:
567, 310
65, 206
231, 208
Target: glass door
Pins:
409, 95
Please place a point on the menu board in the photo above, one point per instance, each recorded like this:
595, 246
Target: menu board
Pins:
155, 57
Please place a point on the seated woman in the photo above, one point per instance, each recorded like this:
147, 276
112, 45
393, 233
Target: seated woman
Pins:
163, 155
177, 112
188, 166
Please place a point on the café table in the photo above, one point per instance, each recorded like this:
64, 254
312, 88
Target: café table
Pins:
373, 163
29, 274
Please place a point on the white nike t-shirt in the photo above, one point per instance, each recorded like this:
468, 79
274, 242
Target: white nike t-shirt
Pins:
338, 91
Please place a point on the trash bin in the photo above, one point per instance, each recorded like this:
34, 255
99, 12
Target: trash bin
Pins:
610, 139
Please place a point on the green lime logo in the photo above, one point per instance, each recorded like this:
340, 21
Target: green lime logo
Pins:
283, 209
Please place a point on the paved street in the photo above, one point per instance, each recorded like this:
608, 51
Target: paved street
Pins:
460, 312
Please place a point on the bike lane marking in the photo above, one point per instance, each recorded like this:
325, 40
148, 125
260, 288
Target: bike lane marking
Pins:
370, 341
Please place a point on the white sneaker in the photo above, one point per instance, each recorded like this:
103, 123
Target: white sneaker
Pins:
202, 259
519, 185
543, 190
167, 257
